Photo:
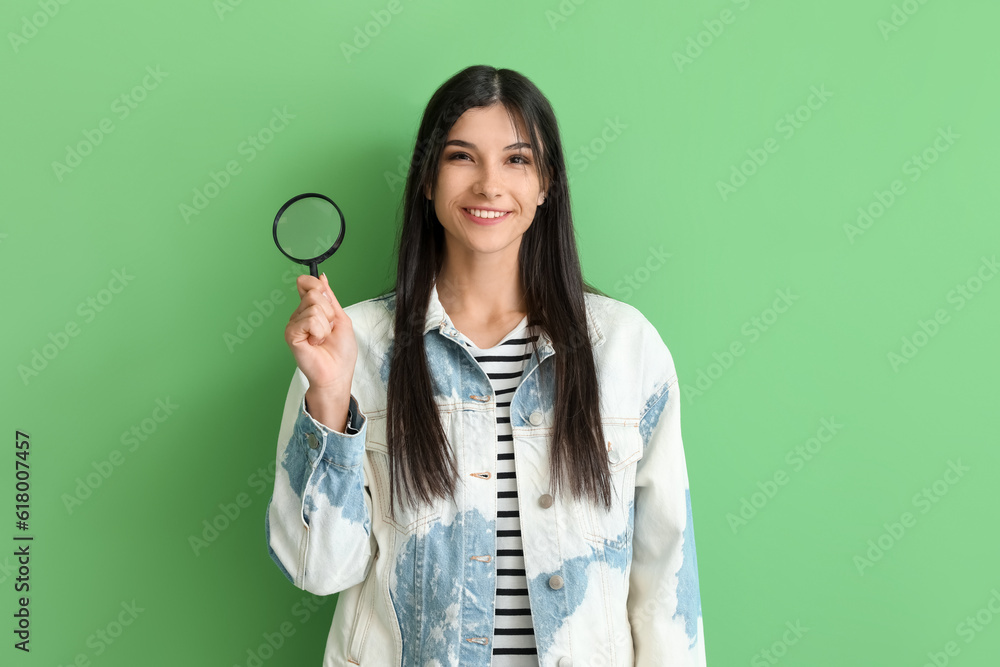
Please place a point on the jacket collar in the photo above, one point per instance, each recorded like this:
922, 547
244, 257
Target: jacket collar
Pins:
438, 319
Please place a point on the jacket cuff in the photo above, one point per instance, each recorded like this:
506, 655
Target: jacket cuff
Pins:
344, 449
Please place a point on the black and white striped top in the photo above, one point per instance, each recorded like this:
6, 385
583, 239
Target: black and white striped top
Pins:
513, 634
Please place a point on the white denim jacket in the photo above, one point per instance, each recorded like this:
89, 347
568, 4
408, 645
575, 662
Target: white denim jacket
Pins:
615, 587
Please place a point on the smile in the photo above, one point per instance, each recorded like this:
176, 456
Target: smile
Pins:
485, 217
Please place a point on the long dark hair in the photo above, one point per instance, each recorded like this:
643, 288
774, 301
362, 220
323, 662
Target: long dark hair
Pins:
554, 289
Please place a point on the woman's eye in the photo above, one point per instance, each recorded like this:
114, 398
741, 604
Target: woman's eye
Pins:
517, 159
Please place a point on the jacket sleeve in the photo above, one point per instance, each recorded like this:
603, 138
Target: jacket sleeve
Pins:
318, 520
664, 602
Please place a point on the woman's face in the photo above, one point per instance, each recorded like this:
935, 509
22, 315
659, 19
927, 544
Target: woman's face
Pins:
487, 188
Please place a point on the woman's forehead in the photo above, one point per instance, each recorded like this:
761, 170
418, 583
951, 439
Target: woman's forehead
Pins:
495, 120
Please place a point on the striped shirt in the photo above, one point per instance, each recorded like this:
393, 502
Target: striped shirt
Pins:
513, 634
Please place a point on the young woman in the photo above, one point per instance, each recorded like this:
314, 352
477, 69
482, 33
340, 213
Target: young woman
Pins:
486, 462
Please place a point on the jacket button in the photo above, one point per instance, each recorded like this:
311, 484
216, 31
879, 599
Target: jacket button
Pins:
535, 418
545, 500
555, 582
312, 440
613, 456
565, 662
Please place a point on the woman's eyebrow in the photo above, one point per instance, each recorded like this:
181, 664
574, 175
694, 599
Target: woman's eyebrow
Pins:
466, 144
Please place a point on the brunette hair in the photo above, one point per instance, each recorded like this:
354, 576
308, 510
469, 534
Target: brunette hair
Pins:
554, 288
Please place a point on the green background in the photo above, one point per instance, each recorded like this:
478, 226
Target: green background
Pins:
650, 185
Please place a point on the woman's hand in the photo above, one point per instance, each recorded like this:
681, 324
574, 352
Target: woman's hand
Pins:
321, 337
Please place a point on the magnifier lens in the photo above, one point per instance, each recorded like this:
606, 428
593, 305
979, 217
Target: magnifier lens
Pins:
308, 227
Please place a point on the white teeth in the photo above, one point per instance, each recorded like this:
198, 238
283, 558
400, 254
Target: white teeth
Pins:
486, 214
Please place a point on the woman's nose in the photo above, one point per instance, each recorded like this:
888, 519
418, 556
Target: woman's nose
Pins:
488, 182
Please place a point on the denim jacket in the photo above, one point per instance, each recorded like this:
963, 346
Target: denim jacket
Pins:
616, 587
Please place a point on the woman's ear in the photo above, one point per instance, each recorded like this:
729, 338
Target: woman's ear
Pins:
546, 182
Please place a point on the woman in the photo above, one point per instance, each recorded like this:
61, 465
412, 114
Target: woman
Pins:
486, 462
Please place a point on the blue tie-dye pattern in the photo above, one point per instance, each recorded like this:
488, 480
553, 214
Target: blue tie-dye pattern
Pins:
688, 597
451, 372
432, 603
653, 409
559, 604
270, 550
332, 487
295, 461
388, 300
310, 505
550, 608
442, 596
383, 370
620, 557
298, 467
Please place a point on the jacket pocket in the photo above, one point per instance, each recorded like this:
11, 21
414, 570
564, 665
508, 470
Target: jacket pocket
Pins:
407, 519
612, 528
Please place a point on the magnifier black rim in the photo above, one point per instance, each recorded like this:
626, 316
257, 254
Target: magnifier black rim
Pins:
319, 258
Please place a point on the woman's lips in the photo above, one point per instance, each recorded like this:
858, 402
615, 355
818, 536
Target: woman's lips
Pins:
485, 221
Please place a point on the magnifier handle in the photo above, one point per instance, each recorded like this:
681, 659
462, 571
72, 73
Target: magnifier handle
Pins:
313, 271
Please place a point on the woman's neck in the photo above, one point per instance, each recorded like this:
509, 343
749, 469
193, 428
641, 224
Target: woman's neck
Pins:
482, 295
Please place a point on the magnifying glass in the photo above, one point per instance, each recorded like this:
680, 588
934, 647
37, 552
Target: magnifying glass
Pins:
304, 228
